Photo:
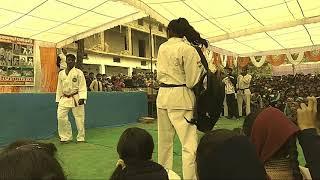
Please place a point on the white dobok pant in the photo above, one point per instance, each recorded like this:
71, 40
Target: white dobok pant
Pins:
169, 123
64, 125
244, 95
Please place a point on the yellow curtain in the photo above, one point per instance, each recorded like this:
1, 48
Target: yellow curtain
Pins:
49, 70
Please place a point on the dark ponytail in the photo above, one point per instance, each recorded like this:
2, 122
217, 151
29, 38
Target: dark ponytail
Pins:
182, 28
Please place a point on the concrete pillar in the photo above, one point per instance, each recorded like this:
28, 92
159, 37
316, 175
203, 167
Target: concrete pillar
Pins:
129, 41
102, 69
130, 71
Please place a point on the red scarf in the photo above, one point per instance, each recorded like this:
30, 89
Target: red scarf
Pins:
270, 131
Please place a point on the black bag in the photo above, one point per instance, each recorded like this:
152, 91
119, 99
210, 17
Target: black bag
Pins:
209, 101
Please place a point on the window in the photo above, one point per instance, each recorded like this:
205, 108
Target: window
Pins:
125, 43
143, 63
142, 48
140, 22
116, 59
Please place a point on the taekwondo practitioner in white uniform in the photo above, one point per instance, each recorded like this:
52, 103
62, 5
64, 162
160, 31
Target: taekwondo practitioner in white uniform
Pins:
179, 69
71, 95
244, 93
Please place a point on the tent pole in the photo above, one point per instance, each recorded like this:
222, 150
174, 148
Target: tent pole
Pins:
150, 44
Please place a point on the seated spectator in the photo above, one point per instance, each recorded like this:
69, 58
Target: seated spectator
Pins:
30, 160
256, 100
274, 136
224, 154
49, 148
308, 121
135, 148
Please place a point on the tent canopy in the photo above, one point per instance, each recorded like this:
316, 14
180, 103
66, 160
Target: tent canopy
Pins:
248, 27
243, 27
62, 20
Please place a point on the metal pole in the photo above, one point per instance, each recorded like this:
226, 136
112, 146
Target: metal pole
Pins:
150, 43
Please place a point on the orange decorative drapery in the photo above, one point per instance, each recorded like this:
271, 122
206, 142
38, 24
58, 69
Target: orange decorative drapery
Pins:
243, 61
276, 60
216, 58
312, 55
49, 70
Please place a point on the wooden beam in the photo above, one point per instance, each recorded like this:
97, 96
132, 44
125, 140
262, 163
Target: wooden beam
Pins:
273, 27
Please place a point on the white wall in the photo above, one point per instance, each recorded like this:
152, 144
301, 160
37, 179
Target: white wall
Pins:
115, 39
107, 60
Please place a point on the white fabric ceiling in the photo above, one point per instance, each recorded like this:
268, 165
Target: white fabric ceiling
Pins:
57, 20
224, 17
228, 24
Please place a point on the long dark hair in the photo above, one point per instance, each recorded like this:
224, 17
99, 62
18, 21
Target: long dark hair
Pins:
135, 146
181, 28
217, 159
288, 149
49, 148
29, 161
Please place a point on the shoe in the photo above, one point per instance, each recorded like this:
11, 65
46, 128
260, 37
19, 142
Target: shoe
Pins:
65, 142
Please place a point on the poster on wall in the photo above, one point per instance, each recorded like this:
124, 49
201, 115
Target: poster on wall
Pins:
16, 61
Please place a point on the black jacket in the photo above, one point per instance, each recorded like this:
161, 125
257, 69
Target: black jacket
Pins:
146, 170
310, 143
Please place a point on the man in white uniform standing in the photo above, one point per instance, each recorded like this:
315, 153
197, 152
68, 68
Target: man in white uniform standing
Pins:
178, 70
71, 95
244, 93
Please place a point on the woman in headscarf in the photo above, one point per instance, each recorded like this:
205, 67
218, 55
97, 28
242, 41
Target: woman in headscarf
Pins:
223, 154
274, 136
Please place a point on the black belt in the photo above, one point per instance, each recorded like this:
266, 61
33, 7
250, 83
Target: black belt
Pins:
244, 89
72, 95
172, 85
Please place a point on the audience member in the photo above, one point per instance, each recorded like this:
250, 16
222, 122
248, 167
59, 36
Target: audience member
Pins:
308, 118
135, 148
224, 154
97, 85
30, 160
274, 136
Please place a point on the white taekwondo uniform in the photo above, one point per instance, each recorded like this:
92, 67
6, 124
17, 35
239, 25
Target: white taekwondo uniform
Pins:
70, 89
178, 64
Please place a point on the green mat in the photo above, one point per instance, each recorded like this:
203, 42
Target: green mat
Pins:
97, 158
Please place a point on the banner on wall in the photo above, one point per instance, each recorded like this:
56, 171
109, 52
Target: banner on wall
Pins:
16, 61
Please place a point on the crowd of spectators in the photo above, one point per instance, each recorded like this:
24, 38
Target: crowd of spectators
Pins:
121, 81
283, 92
265, 150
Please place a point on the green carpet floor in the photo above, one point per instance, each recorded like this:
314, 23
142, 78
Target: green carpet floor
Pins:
97, 158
